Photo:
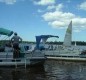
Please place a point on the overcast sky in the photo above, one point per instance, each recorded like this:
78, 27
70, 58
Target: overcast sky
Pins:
30, 18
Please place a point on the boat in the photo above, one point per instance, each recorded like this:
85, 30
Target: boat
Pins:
26, 57
63, 52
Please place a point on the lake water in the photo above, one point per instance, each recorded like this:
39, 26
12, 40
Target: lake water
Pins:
51, 70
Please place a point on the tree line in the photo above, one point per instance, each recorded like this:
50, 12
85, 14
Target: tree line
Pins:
49, 42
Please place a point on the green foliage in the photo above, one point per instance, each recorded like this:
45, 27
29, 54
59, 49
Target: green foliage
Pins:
2, 42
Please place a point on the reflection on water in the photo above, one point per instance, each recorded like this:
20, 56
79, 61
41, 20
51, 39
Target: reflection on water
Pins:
52, 70
31, 73
61, 70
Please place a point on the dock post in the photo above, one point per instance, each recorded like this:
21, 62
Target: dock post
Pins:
15, 63
25, 63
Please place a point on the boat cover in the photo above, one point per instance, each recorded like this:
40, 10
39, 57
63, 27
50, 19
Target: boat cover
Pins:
43, 38
5, 32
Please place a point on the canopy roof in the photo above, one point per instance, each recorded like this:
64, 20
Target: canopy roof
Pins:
5, 32
44, 39
47, 36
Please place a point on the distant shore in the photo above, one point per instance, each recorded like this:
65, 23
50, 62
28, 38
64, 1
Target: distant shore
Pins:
81, 43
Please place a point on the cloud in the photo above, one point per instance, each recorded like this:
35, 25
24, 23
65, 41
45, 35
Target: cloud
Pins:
40, 11
56, 18
79, 21
60, 20
83, 6
56, 7
44, 2
57, 24
59, 7
68, 1
8, 1
57, 15
77, 30
51, 7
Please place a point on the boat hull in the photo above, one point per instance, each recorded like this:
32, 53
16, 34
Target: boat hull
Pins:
66, 58
28, 59
22, 62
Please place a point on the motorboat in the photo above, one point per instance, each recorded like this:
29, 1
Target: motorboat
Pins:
25, 58
66, 51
